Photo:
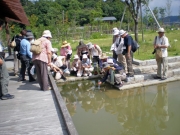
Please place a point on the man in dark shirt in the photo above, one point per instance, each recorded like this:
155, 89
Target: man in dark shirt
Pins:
127, 51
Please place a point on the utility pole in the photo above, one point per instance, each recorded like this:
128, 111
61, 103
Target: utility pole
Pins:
142, 22
122, 16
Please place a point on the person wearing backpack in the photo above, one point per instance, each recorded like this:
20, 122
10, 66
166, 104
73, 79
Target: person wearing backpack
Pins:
161, 44
42, 60
127, 51
26, 56
16, 50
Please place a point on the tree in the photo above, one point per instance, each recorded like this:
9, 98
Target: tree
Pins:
133, 6
162, 13
168, 8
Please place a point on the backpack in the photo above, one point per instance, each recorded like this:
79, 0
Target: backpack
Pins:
36, 47
18, 43
135, 46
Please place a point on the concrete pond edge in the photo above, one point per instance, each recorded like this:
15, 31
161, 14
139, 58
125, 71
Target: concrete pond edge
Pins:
62, 106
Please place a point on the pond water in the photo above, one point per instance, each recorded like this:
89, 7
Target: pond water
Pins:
153, 110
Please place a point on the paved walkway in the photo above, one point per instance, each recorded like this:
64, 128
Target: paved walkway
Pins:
32, 111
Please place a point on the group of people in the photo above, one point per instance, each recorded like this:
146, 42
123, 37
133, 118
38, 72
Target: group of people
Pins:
88, 60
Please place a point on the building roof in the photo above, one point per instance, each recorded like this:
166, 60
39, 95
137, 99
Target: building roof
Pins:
12, 10
111, 18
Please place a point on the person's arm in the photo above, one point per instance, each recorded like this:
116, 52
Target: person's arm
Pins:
166, 43
105, 77
48, 47
28, 46
1, 62
129, 45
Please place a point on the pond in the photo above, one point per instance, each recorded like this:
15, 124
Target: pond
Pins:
153, 110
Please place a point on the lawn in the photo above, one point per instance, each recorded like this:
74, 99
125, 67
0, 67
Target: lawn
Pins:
146, 46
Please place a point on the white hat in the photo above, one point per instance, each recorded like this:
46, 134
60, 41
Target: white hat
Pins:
122, 32
110, 61
84, 56
161, 30
105, 65
90, 45
76, 57
116, 32
54, 56
47, 33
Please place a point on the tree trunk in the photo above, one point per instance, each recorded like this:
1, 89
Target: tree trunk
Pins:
136, 30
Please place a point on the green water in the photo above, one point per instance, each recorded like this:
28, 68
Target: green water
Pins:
153, 110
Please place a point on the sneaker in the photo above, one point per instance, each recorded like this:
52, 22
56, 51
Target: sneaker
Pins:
157, 77
163, 78
90, 74
129, 75
7, 96
85, 75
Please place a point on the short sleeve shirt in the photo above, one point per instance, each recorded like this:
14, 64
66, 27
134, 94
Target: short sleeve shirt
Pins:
127, 42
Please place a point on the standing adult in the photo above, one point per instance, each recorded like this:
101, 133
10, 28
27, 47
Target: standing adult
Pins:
42, 60
118, 48
128, 41
4, 77
114, 30
26, 56
161, 44
16, 50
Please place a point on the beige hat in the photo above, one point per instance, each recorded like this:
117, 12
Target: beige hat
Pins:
65, 43
116, 32
90, 45
122, 32
47, 33
76, 57
103, 56
160, 30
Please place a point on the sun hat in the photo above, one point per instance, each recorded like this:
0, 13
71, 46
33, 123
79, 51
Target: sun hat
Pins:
76, 57
54, 56
103, 56
122, 32
110, 61
84, 56
47, 33
65, 43
90, 45
161, 30
29, 35
116, 32
105, 65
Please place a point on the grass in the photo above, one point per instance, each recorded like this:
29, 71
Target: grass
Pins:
146, 46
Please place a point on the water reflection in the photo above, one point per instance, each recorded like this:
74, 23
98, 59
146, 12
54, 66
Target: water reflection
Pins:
137, 112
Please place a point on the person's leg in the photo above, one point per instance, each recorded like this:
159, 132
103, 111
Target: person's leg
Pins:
38, 72
44, 75
165, 67
129, 65
114, 55
23, 70
159, 67
4, 81
31, 79
16, 64
122, 60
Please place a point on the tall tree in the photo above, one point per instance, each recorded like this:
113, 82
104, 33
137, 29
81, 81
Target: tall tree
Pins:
168, 8
162, 13
133, 6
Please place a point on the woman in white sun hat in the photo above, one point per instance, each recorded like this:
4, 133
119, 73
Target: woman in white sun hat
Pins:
86, 66
76, 66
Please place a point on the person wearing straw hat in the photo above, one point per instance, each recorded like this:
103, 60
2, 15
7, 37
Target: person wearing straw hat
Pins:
108, 68
26, 56
127, 51
86, 66
43, 60
76, 66
161, 44
66, 51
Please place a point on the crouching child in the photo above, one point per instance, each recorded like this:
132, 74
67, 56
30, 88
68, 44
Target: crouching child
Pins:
76, 66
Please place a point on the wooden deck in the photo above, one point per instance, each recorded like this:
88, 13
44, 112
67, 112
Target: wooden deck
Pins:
32, 111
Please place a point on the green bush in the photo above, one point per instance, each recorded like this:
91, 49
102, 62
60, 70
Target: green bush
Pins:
98, 35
